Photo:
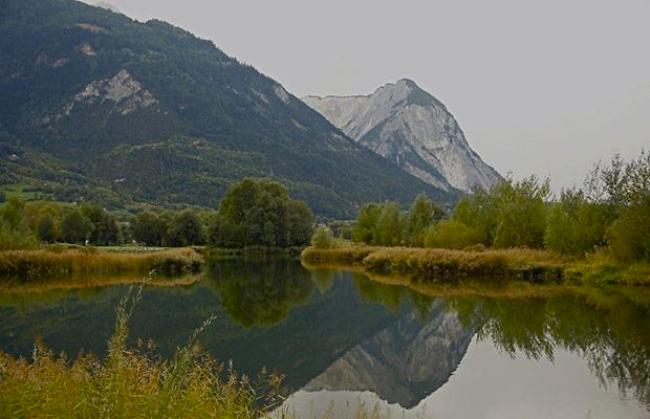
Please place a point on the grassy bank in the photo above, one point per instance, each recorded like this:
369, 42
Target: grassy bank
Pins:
27, 265
443, 265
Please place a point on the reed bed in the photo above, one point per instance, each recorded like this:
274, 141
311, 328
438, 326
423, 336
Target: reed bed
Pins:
28, 265
446, 264
405, 265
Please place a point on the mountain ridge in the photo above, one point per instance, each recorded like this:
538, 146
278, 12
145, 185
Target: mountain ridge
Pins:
97, 106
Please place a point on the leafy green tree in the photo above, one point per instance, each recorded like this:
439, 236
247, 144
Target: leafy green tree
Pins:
576, 225
261, 213
300, 223
148, 228
47, 230
323, 238
3, 197
105, 230
512, 213
477, 211
363, 230
629, 236
388, 229
422, 214
186, 230
75, 227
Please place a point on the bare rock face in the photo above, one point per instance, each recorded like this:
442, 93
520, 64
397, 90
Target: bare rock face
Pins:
412, 128
125, 92
403, 363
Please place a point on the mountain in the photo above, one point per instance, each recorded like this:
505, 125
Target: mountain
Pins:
96, 106
402, 363
412, 128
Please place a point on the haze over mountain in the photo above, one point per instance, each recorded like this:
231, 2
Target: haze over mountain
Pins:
410, 127
96, 106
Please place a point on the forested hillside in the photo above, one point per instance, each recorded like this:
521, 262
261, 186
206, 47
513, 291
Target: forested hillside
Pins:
96, 106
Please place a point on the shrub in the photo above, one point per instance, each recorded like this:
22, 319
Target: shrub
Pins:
629, 236
450, 234
323, 239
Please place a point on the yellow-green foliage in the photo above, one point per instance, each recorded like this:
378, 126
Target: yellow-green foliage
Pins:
128, 384
601, 268
58, 262
450, 234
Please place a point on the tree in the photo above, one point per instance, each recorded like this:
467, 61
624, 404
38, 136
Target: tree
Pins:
323, 238
149, 229
363, 230
422, 214
511, 214
629, 236
575, 225
261, 213
186, 230
47, 230
300, 223
388, 229
105, 230
75, 227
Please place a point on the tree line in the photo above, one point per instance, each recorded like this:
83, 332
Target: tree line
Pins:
252, 213
611, 212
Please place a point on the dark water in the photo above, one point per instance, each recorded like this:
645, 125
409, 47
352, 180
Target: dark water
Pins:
343, 340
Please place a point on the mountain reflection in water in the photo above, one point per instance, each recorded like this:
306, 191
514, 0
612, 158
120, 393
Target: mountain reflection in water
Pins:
338, 336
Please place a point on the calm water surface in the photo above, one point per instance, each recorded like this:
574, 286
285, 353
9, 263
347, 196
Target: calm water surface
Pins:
343, 341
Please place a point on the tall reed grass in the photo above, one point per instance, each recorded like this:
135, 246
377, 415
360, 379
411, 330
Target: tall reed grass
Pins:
30, 264
130, 384
526, 264
445, 265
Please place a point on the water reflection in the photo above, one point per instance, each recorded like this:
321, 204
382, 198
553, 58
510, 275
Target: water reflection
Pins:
340, 332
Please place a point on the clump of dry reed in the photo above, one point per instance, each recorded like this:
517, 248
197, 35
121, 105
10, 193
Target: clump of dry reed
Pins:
527, 264
129, 384
29, 264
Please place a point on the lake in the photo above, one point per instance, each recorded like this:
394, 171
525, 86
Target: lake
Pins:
344, 341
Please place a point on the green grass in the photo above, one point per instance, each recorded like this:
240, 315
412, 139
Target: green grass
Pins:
18, 190
491, 264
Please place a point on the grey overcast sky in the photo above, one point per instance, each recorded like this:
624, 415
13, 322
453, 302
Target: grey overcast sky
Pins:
545, 87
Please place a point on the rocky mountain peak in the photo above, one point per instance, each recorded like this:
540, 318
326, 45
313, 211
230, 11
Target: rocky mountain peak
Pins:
406, 124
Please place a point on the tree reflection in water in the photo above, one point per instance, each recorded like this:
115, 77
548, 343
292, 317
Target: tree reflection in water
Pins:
260, 294
610, 328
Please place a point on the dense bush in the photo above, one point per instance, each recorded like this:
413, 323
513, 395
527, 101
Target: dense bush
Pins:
575, 225
323, 238
450, 234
